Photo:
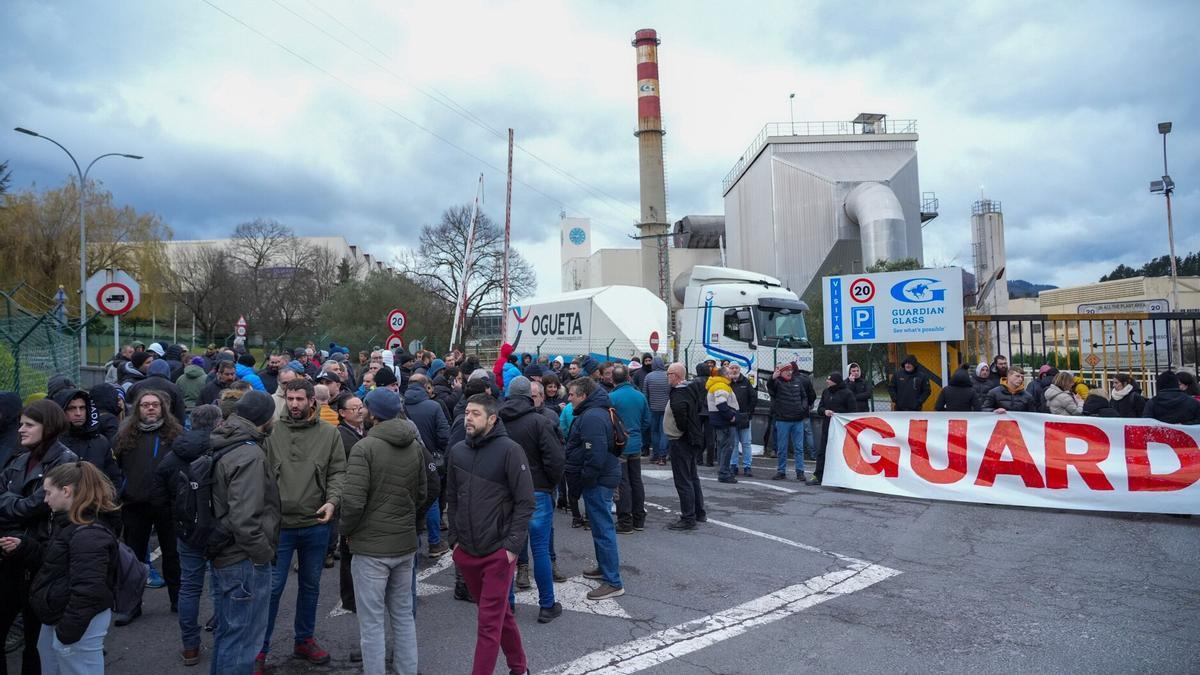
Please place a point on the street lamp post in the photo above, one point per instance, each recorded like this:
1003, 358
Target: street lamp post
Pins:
82, 234
792, 110
1166, 186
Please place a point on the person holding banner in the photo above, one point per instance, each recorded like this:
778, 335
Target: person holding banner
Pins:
1172, 404
1011, 395
837, 399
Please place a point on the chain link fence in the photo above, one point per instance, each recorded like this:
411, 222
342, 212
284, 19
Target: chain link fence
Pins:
34, 346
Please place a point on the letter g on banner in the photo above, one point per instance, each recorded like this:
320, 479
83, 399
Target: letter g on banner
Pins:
889, 455
918, 291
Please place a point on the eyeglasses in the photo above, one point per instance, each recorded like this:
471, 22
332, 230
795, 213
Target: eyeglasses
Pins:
352, 408
149, 404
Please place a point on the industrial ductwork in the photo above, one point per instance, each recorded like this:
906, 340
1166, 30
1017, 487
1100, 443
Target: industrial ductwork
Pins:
880, 219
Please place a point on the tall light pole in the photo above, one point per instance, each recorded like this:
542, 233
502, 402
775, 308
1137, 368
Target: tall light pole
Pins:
792, 110
1166, 186
82, 234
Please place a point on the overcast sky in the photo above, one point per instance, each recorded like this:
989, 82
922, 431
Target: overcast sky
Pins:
385, 113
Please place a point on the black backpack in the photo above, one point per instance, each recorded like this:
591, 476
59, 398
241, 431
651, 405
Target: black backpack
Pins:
195, 523
128, 575
620, 434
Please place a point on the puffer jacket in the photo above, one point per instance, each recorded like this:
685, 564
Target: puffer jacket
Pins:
656, 387
385, 489
591, 433
747, 400
88, 442
489, 494
23, 510
77, 575
909, 391
1012, 401
191, 384
791, 399
960, 396
10, 421
309, 460
722, 404
538, 437
1060, 402
1173, 406
248, 374
250, 519
430, 418
634, 413
1097, 406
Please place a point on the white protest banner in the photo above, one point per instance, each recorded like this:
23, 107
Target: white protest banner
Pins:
1019, 459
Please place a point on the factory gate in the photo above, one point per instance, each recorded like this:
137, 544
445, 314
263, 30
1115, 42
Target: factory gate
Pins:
1097, 346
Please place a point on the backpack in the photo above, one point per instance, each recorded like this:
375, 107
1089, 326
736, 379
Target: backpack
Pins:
620, 434
195, 523
128, 576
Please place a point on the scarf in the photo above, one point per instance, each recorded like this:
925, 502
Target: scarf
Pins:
147, 427
1118, 394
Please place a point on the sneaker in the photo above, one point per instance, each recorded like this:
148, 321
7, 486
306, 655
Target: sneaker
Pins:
329, 561
682, 524
639, 525
625, 528
439, 549
191, 657
605, 592
746, 473
727, 479
579, 522
461, 592
593, 574
800, 476
523, 578
813, 481
702, 517
309, 650
154, 579
126, 619
260, 664
559, 577
548, 614
779, 476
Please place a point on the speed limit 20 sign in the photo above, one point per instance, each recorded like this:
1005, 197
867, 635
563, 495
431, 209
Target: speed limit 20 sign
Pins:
397, 320
862, 290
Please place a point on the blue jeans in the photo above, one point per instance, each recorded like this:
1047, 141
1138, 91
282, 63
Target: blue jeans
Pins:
742, 441
310, 544
85, 657
724, 439
658, 439
433, 524
798, 432
241, 605
540, 530
597, 500
192, 567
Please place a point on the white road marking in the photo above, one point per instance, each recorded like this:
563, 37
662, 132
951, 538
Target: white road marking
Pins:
692, 636
659, 474
572, 594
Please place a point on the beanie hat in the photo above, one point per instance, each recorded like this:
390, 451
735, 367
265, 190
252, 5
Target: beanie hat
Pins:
296, 366
532, 370
156, 348
139, 358
1167, 380
256, 407
835, 378
385, 376
247, 360
197, 361
160, 368
435, 367
479, 374
979, 369
383, 404
520, 386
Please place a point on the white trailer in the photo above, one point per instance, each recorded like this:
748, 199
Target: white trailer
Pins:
607, 323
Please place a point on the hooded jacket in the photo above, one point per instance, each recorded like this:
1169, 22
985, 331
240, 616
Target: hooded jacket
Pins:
1059, 402
430, 418
982, 385
656, 387
634, 412
1097, 406
174, 358
489, 493
747, 399
444, 393
959, 396
109, 402
838, 399
191, 383
386, 488
10, 421
861, 388
909, 391
58, 384
309, 459
587, 454
791, 399
270, 380
186, 449
247, 373
75, 579
588, 365
538, 437
722, 404
156, 379
1173, 406
245, 495
23, 509
129, 375
87, 442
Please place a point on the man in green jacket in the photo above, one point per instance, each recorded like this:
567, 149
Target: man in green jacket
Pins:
310, 461
385, 489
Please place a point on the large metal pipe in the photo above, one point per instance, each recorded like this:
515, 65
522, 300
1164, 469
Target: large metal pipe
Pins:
881, 223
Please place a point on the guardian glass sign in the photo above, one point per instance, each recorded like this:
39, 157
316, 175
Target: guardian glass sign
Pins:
917, 306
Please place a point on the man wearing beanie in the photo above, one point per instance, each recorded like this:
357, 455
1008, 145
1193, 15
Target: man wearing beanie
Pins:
837, 399
158, 378
245, 502
1172, 404
385, 378
134, 370
386, 491
311, 461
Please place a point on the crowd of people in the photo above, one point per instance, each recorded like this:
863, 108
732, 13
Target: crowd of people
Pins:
316, 460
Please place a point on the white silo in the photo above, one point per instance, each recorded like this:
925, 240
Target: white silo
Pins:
987, 246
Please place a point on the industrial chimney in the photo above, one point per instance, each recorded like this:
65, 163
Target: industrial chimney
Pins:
653, 225
987, 245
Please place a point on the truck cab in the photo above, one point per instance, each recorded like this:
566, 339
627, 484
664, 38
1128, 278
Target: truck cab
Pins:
745, 318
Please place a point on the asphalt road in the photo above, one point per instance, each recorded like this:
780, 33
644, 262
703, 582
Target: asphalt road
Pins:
813, 579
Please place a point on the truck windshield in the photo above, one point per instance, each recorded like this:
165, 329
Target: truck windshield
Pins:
781, 327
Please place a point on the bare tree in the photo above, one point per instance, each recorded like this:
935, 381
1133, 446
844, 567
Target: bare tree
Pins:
437, 264
203, 280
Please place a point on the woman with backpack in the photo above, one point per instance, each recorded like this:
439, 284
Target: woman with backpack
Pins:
25, 518
74, 590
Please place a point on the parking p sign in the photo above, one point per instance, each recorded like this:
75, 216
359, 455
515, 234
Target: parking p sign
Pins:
917, 306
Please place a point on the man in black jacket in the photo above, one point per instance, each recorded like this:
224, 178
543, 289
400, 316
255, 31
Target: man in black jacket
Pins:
792, 396
430, 418
837, 399
225, 375
909, 387
699, 385
84, 437
747, 399
538, 437
1172, 404
858, 386
685, 440
489, 492
157, 379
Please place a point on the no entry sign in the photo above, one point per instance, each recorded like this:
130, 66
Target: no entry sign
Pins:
115, 298
654, 341
394, 341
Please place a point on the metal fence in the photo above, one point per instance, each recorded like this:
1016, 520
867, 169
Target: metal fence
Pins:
1096, 346
34, 346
